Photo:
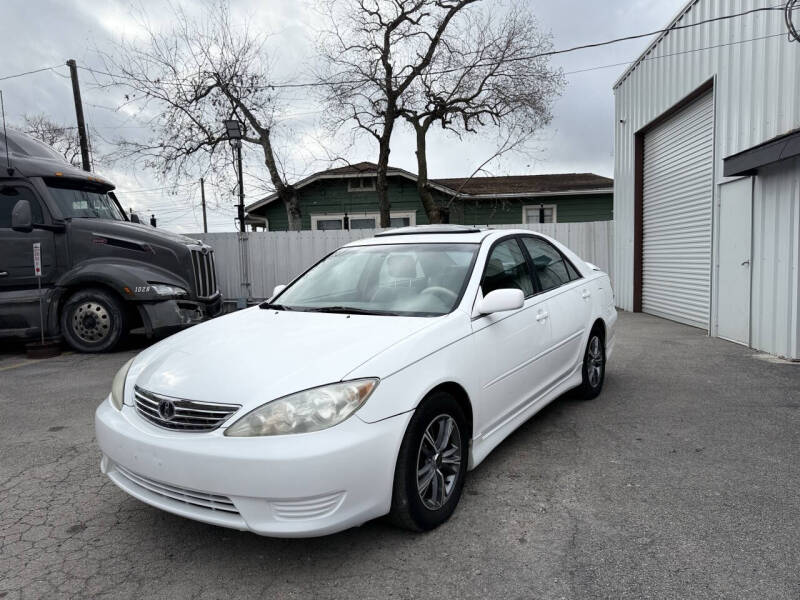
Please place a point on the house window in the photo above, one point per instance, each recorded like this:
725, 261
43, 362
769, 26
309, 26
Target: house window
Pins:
328, 224
539, 213
399, 221
361, 184
361, 221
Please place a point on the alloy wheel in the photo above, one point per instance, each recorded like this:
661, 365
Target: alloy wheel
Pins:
595, 362
438, 462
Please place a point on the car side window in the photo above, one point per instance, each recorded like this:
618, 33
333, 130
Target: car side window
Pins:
506, 267
550, 267
9, 196
573, 272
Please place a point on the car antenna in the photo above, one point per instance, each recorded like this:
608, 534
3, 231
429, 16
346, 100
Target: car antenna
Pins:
10, 169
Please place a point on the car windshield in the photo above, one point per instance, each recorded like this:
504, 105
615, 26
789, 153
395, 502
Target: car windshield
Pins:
76, 202
393, 279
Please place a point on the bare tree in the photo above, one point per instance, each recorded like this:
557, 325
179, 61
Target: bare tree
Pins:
491, 70
192, 77
62, 138
372, 54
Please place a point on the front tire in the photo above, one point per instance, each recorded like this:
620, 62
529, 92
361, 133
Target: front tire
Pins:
92, 320
432, 465
594, 367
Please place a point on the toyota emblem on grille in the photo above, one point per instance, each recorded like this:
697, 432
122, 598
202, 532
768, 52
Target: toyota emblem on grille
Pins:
166, 409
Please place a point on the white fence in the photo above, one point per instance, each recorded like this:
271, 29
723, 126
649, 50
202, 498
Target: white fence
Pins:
250, 265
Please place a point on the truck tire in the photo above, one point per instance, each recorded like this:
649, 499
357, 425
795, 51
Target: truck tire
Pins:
92, 320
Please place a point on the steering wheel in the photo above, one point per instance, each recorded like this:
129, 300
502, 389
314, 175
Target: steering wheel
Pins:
439, 291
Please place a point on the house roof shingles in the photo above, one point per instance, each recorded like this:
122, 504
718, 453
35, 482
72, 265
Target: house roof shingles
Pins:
527, 184
476, 187
511, 184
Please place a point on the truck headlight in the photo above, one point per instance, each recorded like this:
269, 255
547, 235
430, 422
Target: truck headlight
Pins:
162, 289
118, 385
307, 411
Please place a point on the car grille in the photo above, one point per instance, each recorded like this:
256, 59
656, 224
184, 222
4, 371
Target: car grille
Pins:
205, 275
201, 499
182, 415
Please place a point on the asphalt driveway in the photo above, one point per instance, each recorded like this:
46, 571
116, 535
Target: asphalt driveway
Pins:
682, 480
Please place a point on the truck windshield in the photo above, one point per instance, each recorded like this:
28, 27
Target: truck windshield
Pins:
76, 202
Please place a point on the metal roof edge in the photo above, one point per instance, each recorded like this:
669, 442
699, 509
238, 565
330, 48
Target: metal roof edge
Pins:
681, 13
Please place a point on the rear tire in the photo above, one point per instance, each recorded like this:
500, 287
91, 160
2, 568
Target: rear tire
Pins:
431, 466
92, 320
594, 367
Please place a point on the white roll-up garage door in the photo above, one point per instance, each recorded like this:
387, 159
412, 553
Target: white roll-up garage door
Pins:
678, 189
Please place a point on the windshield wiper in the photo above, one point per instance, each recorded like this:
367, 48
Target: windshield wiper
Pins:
267, 305
348, 310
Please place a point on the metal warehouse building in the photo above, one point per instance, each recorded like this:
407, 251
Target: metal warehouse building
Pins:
707, 176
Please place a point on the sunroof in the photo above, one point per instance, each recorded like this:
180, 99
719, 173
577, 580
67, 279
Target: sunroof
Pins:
429, 229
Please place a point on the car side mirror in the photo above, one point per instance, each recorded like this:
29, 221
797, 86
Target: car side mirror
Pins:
500, 301
135, 218
21, 218
277, 290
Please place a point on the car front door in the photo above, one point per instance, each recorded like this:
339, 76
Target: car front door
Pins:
507, 345
18, 284
568, 297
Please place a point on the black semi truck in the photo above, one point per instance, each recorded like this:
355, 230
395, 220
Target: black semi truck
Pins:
102, 272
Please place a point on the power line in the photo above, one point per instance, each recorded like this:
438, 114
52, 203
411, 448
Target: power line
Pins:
32, 72
622, 64
786, 7
780, 7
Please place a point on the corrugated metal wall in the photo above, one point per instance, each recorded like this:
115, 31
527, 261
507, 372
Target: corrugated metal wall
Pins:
275, 257
776, 249
757, 96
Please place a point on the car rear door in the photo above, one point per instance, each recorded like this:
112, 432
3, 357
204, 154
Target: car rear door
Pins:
508, 345
568, 296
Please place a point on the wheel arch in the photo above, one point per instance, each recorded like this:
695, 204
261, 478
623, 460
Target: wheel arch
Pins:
599, 325
461, 396
131, 314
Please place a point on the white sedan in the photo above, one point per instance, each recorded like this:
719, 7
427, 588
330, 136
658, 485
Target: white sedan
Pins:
368, 386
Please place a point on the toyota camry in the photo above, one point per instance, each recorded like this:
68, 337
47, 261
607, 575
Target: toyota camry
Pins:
370, 385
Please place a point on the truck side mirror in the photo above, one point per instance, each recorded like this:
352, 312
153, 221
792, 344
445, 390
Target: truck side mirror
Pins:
21, 218
135, 218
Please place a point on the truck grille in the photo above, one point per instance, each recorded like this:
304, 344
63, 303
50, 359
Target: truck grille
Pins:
181, 415
205, 275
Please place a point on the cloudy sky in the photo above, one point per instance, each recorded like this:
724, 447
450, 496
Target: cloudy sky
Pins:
45, 33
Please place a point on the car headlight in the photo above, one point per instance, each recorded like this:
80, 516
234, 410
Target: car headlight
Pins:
118, 385
307, 411
162, 289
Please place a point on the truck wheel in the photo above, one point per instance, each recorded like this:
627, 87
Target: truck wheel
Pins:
92, 320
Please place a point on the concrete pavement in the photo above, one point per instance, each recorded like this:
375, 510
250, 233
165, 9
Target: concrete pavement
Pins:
682, 480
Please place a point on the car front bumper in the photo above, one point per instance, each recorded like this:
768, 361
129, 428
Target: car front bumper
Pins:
285, 486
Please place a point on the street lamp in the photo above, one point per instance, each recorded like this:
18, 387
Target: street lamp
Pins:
234, 130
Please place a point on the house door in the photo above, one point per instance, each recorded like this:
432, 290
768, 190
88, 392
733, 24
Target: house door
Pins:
735, 251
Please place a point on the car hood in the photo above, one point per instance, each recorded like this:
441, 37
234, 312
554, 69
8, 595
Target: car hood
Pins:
258, 355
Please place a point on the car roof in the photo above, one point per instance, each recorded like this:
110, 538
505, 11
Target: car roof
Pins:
437, 234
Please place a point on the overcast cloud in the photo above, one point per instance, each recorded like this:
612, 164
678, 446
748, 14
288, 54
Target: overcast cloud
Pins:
39, 33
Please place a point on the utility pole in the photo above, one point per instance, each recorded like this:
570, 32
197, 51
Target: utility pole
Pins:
76, 93
241, 187
203, 200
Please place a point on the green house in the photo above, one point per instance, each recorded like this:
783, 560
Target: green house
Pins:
345, 198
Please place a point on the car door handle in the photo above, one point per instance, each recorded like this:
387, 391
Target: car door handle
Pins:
747, 262
3, 273
542, 316
585, 294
